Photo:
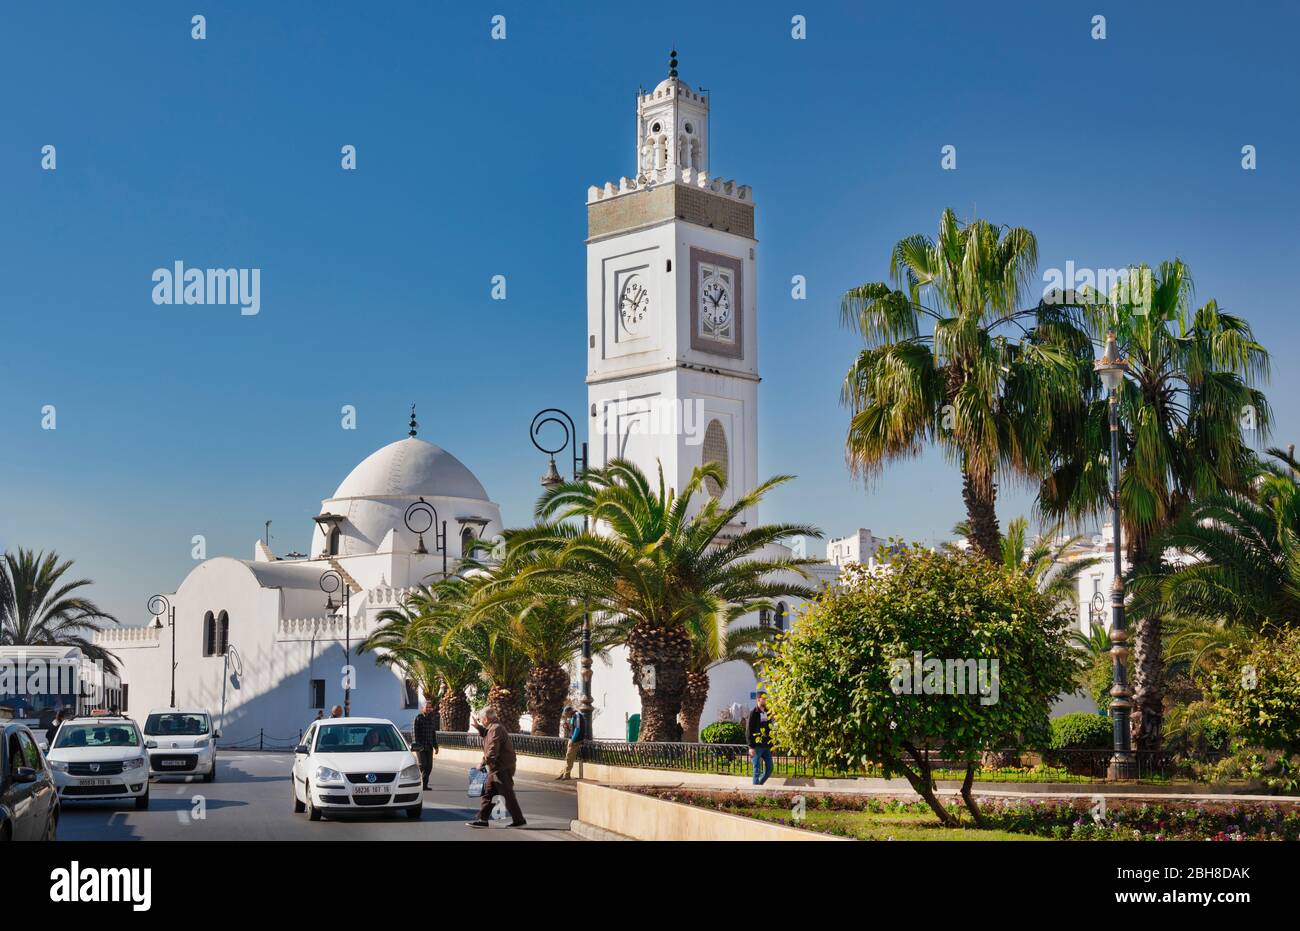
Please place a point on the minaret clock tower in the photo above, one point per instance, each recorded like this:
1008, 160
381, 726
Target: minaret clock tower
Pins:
672, 361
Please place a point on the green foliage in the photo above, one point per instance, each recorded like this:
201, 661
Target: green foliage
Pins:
723, 732
831, 682
40, 607
1100, 676
1196, 729
1080, 730
1256, 690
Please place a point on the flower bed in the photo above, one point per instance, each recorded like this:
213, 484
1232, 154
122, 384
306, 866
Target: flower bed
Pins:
872, 817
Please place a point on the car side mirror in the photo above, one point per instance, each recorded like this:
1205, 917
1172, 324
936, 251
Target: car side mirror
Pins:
216, 735
25, 774
301, 748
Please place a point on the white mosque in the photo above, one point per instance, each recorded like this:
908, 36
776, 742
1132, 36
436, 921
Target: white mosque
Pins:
672, 378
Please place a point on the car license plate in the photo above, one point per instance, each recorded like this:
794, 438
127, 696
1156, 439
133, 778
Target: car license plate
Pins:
173, 762
96, 782
369, 790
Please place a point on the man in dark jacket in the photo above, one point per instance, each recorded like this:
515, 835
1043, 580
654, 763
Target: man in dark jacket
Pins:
758, 734
499, 761
424, 739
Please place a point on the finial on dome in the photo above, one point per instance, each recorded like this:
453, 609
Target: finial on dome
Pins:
414, 424
672, 63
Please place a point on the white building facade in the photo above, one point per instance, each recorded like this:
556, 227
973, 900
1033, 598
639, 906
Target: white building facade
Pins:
288, 650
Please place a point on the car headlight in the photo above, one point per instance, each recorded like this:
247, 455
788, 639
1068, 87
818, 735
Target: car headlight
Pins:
411, 772
137, 763
58, 766
325, 774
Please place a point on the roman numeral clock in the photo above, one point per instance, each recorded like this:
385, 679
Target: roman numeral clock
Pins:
672, 373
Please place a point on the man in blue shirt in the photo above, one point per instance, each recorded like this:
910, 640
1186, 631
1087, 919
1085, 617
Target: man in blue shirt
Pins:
577, 734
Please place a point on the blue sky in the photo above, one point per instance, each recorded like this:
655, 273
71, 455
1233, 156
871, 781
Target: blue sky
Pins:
474, 159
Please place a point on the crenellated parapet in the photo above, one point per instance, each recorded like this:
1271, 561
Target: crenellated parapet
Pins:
323, 628
690, 177
122, 637
388, 596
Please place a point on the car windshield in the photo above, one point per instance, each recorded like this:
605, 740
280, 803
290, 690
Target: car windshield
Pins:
97, 735
358, 738
176, 724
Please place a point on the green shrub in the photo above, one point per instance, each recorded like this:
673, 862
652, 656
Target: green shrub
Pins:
723, 732
1080, 730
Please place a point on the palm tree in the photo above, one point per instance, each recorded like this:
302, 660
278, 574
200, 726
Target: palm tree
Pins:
1241, 578
412, 639
715, 641
1184, 413
1043, 560
950, 360
39, 608
656, 562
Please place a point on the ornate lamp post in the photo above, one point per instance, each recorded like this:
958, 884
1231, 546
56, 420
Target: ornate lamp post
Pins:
419, 517
550, 480
158, 606
331, 581
1112, 368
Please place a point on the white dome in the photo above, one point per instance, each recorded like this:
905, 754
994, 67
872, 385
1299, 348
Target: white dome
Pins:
408, 468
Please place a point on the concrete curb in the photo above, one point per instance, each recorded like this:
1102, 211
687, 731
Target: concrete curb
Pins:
592, 832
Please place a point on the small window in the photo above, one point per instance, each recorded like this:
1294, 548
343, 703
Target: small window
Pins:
410, 694
335, 538
780, 615
317, 696
764, 617
688, 129
209, 634
126, 696
670, 265
715, 450
223, 633
467, 540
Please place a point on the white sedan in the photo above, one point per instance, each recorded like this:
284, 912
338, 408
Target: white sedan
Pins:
353, 764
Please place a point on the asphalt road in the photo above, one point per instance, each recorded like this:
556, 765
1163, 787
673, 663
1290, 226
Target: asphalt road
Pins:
251, 801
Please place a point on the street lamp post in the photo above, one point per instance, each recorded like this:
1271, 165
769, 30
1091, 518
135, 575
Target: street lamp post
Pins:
1112, 368
412, 518
158, 606
331, 581
550, 480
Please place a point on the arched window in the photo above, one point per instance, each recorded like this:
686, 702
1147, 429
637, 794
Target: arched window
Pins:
209, 634
715, 450
467, 540
780, 615
335, 538
223, 633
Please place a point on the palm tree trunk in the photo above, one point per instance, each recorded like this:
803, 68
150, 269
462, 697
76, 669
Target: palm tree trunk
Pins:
453, 708
693, 701
547, 688
659, 657
505, 701
1147, 672
980, 495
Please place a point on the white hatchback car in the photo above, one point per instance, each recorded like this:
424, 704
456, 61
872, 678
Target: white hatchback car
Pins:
354, 764
181, 742
100, 757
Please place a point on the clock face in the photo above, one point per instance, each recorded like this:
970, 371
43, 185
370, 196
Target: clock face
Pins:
715, 304
633, 303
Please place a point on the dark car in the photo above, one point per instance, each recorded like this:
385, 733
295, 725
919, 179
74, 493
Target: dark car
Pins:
29, 802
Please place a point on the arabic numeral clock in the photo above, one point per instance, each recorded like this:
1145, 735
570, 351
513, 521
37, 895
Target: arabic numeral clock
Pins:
633, 304
716, 305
